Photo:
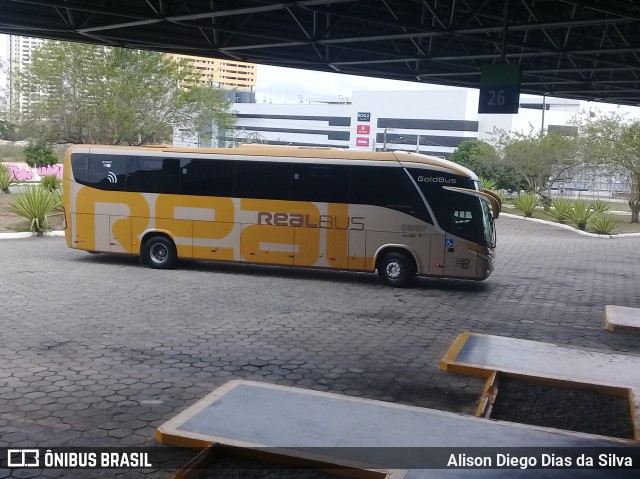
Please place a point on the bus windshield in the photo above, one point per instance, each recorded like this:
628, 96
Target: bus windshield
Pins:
487, 223
461, 214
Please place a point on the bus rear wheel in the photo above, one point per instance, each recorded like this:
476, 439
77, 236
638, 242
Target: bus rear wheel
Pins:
396, 269
159, 252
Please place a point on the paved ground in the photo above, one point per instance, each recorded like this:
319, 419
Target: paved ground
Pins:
97, 350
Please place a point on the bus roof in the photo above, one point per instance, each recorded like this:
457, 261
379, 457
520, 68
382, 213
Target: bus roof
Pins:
303, 152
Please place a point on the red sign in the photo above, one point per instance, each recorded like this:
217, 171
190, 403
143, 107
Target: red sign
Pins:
363, 129
362, 141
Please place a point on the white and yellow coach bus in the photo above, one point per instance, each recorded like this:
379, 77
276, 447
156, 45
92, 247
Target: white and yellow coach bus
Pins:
399, 213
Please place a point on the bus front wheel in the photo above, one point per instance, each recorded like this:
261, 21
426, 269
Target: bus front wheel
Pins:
396, 269
159, 252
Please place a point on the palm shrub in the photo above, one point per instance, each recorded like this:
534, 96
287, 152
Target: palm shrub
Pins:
35, 204
51, 182
561, 210
600, 206
527, 203
6, 178
581, 213
57, 196
602, 225
487, 184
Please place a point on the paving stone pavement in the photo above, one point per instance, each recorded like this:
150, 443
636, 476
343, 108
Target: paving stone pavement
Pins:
97, 350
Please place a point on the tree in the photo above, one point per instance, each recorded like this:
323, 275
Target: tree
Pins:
540, 161
39, 154
482, 158
93, 94
477, 155
612, 140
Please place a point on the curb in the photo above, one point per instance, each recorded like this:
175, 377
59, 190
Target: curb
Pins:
28, 234
571, 228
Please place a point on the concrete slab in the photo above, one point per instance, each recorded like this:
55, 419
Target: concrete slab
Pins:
622, 318
347, 429
482, 355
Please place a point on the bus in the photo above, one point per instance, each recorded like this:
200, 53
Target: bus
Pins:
398, 213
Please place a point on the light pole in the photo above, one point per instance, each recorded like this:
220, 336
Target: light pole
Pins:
544, 108
384, 139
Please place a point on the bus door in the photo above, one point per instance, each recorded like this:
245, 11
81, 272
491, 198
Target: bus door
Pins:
467, 224
458, 260
462, 212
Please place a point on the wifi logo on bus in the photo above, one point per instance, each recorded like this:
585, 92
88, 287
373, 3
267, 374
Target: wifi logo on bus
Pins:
111, 177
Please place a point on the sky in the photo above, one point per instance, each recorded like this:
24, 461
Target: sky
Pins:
286, 85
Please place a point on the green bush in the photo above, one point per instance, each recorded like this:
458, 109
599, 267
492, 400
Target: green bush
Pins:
51, 182
6, 178
561, 210
600, 206
602, 225
527, 203
581, 213
39, 154
35, 204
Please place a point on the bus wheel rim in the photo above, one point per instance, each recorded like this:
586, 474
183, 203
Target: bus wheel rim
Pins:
393, 269
159, 253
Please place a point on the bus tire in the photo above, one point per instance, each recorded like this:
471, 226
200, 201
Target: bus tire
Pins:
159, 252
396, 269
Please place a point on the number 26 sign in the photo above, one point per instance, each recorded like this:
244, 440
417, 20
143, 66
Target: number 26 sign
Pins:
499, 89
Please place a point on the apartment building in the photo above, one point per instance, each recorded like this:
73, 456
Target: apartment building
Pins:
20, 53
227, 74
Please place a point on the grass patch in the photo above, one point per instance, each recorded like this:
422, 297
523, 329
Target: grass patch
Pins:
622, 222
12, 153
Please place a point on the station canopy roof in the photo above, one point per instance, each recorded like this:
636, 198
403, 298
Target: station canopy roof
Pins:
587, 50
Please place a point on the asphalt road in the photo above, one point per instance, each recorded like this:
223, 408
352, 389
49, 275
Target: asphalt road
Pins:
97, 350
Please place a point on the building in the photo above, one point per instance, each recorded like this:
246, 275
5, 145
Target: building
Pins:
227, 74
20, 53
432, 122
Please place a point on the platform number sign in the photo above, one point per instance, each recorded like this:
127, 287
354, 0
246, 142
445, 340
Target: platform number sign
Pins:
499, 89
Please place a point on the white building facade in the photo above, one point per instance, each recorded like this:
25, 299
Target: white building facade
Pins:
431, 122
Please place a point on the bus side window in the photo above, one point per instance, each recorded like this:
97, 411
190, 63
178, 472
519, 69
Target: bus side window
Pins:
320, 183
104, 172
206, 177
388, 187
153, 175
263, 180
